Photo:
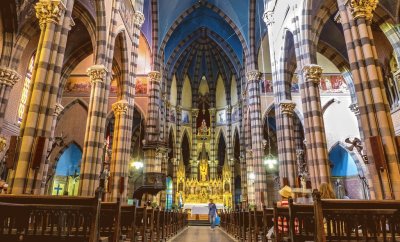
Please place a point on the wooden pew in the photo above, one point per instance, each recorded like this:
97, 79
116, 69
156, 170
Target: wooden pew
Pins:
356, 220
49, 218
110, 220
301, 221
281, 223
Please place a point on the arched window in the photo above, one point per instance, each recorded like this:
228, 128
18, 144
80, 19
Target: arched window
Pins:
25, 90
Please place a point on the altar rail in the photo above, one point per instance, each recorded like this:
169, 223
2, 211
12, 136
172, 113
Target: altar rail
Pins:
83, 219
325, 220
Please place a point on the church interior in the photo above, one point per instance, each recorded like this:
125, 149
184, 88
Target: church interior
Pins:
146, 110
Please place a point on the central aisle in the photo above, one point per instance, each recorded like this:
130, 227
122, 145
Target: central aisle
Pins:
202, 234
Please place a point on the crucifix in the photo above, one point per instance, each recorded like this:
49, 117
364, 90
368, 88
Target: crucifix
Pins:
58, 189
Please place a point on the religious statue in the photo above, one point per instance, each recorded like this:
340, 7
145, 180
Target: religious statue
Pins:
203, 170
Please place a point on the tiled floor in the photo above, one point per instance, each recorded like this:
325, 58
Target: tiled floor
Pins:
202, 234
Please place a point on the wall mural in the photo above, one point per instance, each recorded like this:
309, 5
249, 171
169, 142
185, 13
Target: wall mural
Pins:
330, 83
221, 117
235, 114
141, 85
185, 117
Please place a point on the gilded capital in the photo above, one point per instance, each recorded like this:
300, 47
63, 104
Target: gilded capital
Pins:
253, 76
8, 77
97, 73
363, 8
354, 108
155, 76
212, 111
287, 107
139, 18
58, 109
120, 107
195, 112
312, 73
178, 109
268, 18
3, 143
49, 11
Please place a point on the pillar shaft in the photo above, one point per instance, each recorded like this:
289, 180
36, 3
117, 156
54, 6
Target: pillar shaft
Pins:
287, 146
375, 117
317, 153
41, 101
254, 103
92, 157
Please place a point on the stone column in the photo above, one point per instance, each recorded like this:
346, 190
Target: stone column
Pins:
8, 78
40, 107
317, 153
57, 111
194, 155
213, 157
254, 103
356, 17
92, 157
288, 146
120, 154
152, 125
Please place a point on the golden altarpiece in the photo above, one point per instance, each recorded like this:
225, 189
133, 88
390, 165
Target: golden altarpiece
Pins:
201, 190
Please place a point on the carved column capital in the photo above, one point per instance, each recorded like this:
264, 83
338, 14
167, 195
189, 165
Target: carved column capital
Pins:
269, 18
253, 76
120, 107
58, 109
228, 109
212, 111
3, 143
155, 76
139, 18
287, 107
312, 73
354, 108
97, 73
363, 8
49, 11
8, 77
178, 109
195, 112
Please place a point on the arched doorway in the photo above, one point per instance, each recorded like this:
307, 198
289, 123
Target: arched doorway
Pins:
345, 171
66, 179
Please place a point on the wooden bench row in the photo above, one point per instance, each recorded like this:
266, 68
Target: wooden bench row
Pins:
325, 220
83, 219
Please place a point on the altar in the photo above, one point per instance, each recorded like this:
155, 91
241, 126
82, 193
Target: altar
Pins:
200, 208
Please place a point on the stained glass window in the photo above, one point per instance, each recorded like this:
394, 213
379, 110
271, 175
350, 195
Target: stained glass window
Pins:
25, 90
168, 204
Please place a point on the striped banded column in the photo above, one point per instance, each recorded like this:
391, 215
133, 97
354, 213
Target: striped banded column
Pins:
152, 125
194, 170
57, 111
120, 154
8, 78
315, 131
229, 148
40, 106
250, 177
356, 18
92, 156
213, 157
254, 103
288, 163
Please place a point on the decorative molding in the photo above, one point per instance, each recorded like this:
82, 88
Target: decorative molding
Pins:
312, 73
287, 107
8, 77
49, 11
253, 76
269, 18
139, 18
195, 112
154, 76
363, 8
97, 73
58, 109
120, 107
354, 108
212, 111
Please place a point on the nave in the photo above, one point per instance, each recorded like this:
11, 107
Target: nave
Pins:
202, 234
